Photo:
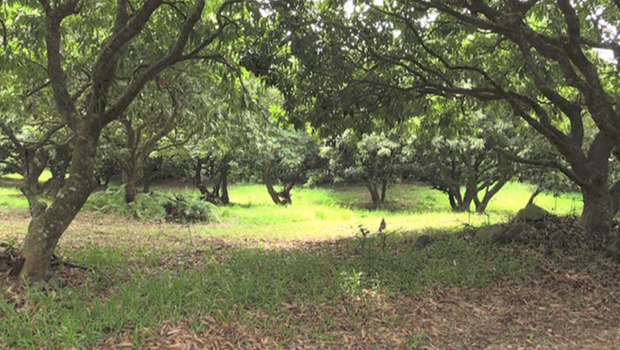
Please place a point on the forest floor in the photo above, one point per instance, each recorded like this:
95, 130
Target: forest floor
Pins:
244, 283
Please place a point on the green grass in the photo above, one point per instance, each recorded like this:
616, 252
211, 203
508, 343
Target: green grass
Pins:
12, 198
145, 274
335, 212
319, 213
114, 298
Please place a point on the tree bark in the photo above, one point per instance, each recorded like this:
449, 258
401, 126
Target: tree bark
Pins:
598, 211
383, 190
374, 193
481, 206
538, 191
130, 180
267, 178
224, 181
47, 227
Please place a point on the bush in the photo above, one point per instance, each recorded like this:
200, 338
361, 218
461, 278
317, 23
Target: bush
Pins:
179, 209
155, 205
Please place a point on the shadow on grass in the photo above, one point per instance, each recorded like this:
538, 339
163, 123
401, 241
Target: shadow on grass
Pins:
135, 287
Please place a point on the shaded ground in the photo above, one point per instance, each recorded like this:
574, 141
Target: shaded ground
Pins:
572, 306
559, 311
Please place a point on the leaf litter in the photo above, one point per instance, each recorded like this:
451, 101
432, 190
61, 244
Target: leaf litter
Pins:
561, 308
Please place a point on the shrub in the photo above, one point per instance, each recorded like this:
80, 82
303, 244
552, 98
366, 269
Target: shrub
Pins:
179, 209
152, 206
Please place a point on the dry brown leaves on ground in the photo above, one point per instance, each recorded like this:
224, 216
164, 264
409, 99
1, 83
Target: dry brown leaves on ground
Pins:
563, 311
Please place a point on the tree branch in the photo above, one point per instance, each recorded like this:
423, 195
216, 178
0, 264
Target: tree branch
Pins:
174, 55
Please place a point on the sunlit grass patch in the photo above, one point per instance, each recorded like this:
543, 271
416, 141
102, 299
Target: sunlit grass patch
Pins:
324, 213
45, 175
12, 198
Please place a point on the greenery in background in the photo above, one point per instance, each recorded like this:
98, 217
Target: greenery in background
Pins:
155, 205
375, 160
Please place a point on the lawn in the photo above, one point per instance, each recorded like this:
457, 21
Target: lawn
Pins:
269, 277
323, 213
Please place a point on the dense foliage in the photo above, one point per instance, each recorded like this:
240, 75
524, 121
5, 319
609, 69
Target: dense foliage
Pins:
465, 95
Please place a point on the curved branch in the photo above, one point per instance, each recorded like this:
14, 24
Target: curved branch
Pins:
545, 163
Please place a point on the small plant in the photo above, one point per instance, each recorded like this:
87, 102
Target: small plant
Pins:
112, 201
153, 206
352, 282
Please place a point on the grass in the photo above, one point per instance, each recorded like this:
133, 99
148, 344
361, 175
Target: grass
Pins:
12, 198
320, 213
118, 297
146, 274
336, 212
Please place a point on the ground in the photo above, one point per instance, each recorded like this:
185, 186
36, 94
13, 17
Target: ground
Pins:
303, 277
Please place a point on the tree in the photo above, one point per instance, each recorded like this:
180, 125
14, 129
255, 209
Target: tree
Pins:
141, 131
455, 147
537, 58
287, 159
374, 159
94, 79
237, 119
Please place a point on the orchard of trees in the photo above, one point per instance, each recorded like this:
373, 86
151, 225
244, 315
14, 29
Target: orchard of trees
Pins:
465, 95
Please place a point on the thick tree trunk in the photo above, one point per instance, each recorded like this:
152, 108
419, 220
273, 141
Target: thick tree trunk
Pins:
224, 196
53, 185
46, 228
130, 180
471, 195
374, 193
598, 209
224, 169
457, 201
131, 191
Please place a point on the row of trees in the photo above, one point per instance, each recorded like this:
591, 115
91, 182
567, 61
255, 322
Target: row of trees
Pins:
465, 94
548, 65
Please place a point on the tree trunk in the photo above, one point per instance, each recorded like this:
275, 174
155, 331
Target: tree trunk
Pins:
275, 197
383, 190
374, 193
285, 194
130, 180
481, 206
457, 202
538, 191
59, 165
224, 179
598, 211
46, 228
471, 195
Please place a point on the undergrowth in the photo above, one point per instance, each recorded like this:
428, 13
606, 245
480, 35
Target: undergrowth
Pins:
153, 205
116, 297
